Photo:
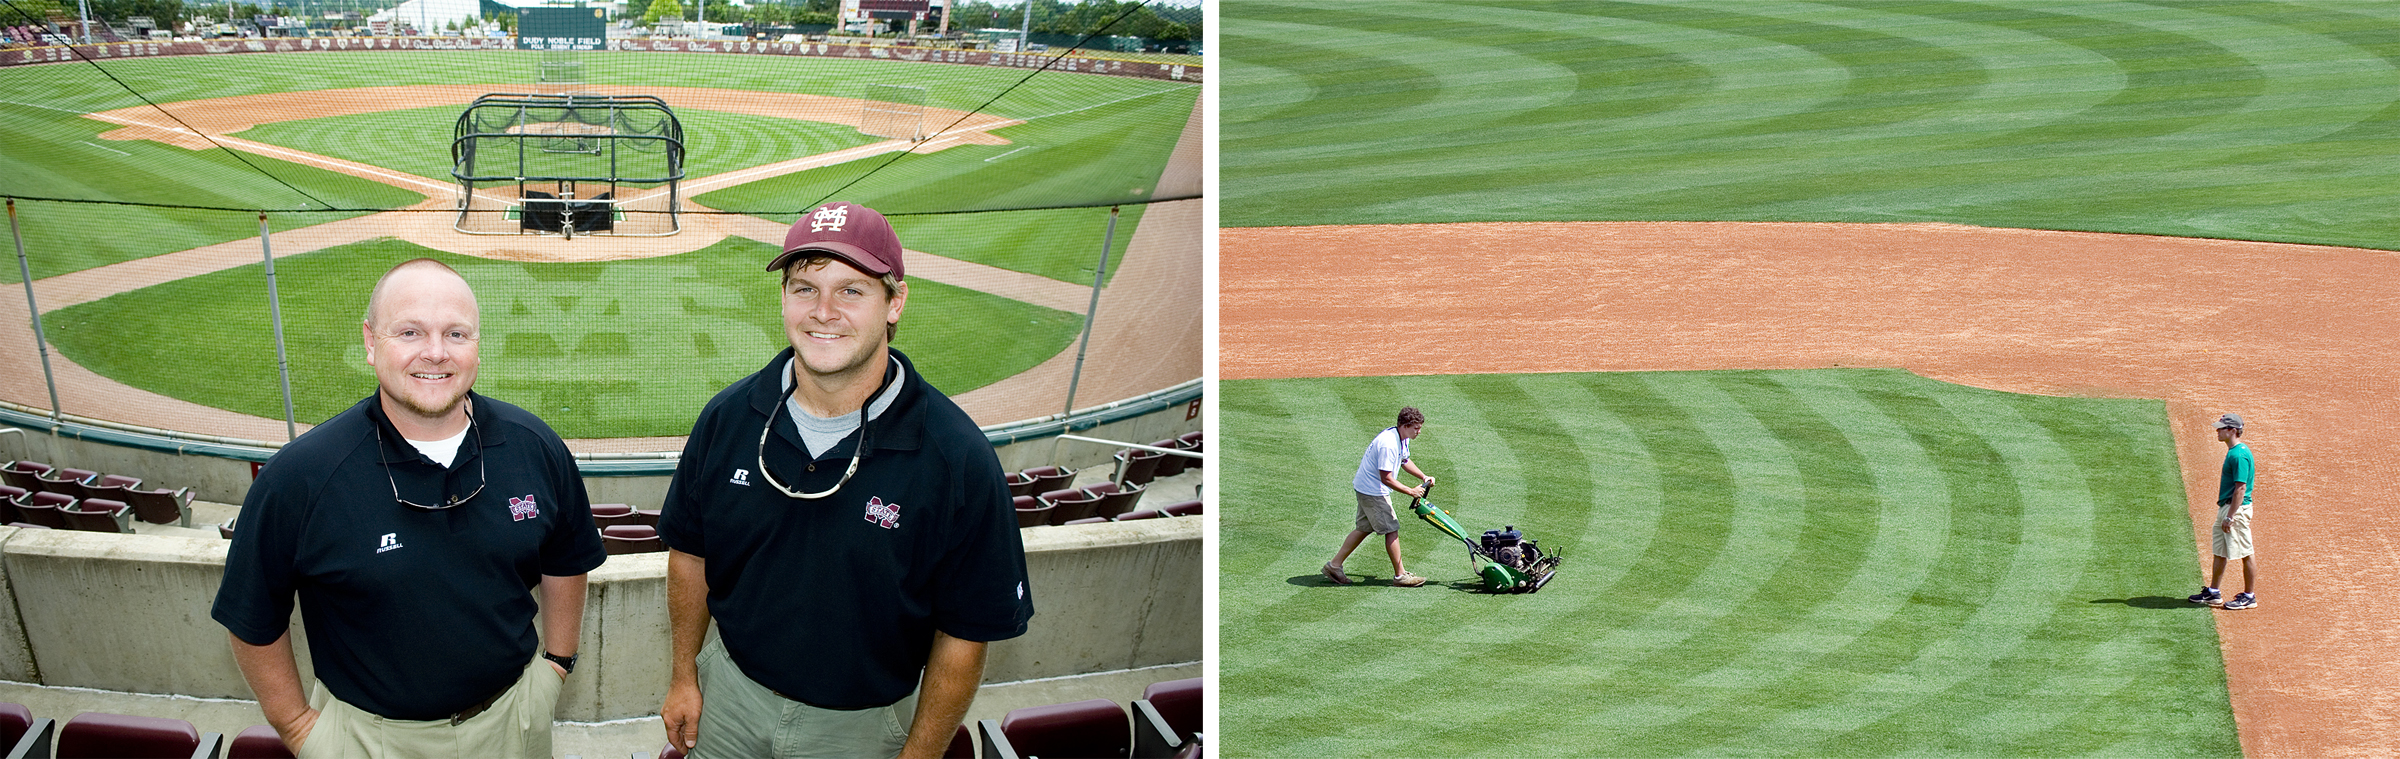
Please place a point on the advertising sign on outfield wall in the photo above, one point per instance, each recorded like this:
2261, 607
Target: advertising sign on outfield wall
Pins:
1094, 64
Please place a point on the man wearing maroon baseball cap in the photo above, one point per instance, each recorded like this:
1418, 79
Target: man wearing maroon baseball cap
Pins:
846, 525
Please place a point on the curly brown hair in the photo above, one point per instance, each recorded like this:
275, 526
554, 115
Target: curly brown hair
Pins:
1409, 415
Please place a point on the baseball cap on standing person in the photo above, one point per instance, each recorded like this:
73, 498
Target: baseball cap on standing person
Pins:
848, 231
2230, 421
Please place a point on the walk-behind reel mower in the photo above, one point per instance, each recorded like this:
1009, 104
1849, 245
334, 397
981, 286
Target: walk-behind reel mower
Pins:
1508, 561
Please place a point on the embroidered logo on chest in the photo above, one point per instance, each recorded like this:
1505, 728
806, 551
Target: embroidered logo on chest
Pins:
521, 509
884, 515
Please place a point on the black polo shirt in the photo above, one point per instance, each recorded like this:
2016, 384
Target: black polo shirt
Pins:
410, 614
834, 601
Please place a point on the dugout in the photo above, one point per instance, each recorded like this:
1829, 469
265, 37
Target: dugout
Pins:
568, 164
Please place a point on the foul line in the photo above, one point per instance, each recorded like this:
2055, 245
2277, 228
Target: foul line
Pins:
48, 108
1112, 102
104, 147
1005, 155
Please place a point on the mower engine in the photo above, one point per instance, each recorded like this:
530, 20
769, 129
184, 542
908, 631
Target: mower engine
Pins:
1509, 547
1506, 560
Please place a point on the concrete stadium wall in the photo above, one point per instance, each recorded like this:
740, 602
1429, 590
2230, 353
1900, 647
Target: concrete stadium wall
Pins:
130, 613
1091, 63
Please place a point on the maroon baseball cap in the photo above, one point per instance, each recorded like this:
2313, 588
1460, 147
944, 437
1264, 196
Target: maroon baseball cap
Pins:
848, 231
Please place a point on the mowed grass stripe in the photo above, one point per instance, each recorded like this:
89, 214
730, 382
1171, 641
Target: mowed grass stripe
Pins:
2023, 557
1928, 509
2241, 120
1800, 609
1693, 690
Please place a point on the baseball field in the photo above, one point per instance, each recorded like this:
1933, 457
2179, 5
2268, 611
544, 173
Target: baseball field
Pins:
135, 225
2131, 215
1785, 563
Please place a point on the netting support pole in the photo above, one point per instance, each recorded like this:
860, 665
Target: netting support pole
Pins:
25, 274
1091, 313
291, 430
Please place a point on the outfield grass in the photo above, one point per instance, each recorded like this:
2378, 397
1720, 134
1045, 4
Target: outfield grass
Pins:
2247, 120
51, 153
617, 349
1759, 563
1113, 152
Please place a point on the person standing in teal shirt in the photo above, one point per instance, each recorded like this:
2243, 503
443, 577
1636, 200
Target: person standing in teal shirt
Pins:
2230, 538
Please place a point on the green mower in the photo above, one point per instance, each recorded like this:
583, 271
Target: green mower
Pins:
1507, 561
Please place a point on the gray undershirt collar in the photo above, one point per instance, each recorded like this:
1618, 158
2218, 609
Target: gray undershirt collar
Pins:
819, 433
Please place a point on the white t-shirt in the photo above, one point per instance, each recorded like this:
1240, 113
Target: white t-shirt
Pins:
1386, 454
441, 451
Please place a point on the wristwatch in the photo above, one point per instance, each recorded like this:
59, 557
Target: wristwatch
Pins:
564, 662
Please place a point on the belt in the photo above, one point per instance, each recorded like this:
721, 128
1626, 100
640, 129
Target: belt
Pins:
469, 713
779, 694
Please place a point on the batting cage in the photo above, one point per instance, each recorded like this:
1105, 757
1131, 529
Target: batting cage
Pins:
612, 201
567, 164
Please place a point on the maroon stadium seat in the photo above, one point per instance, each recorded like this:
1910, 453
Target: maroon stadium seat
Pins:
96, 735
1115, 498
67, 482
22, 474
43, 509
1091, 728
1183, 509
1031, 511
1048, 478
1136, 466
1178, 701
1069, 505
605, 515
99, 515
160, 506
631, 538
258, 742
1170, 464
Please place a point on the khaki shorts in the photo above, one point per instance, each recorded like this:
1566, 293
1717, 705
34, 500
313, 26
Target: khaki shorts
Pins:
1375, 514
741, 718
2234, 544
517, 725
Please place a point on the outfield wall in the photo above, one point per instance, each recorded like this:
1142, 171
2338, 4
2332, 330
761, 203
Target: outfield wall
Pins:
130, 613
1090, 63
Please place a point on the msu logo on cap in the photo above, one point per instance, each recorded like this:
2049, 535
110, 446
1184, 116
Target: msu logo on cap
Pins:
829, 217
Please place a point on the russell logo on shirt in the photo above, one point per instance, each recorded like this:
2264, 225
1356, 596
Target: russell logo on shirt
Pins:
885, 515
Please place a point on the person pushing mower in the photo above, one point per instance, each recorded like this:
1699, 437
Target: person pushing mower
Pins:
1386, 456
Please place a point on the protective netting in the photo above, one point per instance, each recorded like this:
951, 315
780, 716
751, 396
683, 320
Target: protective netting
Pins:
139, 171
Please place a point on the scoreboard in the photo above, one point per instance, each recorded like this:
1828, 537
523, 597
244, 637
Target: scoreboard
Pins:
562, 29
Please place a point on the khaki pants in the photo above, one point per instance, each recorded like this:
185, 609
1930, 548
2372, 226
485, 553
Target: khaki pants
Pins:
741, 719
1375, 514
517, 725
2234, 544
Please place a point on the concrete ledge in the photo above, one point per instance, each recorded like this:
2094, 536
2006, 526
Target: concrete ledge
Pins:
129, 614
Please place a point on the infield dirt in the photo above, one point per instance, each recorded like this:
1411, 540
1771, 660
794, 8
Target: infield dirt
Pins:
2304, 341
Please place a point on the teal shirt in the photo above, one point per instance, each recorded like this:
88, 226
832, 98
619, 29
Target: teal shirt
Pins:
2238, 468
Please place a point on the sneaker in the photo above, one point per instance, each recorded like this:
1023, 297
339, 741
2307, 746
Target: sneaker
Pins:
1334, 573
2208, 596
2242, 601
1407, 580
